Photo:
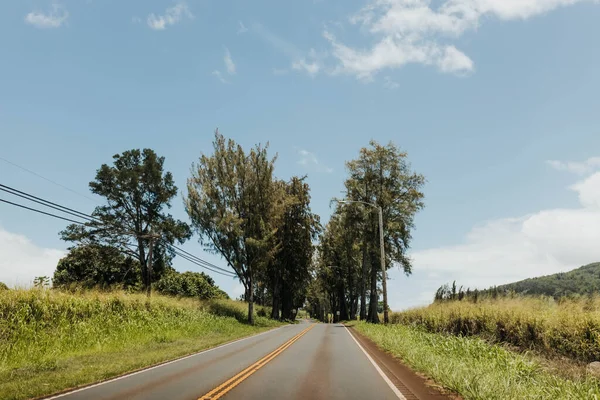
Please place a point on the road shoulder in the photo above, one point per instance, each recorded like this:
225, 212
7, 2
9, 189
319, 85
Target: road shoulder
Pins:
412, 385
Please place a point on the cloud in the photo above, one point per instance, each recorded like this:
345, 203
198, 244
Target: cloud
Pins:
229, 64
172, 16
309, 160
309, 63
54, 19
22, 260
242, 28
581, 168
220, 77
422, 31
506, 250
388, 83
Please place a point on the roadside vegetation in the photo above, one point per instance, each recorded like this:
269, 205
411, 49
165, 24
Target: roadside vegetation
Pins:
475, 368
51, 340
565, 327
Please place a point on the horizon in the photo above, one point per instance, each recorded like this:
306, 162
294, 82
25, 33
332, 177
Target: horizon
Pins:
498, 111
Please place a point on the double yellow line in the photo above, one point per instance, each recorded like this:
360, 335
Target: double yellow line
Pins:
225, 387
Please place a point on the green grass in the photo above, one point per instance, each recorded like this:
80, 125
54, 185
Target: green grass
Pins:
474, 368
569, 328
50, 340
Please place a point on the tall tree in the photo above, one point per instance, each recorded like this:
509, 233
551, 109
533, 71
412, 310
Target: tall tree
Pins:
289, 272
382, 176
137, 191
232, 201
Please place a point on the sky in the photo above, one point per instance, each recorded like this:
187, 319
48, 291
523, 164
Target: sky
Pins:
495, 101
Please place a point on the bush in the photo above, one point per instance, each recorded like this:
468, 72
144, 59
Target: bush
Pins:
188, 284
3, 286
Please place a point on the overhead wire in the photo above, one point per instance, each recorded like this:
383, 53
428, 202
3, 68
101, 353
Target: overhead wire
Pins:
177, 250
47, 203
41, 212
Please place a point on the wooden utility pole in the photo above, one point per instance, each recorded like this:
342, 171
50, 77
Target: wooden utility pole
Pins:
152, 237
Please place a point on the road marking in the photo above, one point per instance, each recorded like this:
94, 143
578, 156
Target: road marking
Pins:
228, 385
384, 376
157, 366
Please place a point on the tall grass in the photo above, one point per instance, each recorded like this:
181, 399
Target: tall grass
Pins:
45, 333
474, 368
566, 327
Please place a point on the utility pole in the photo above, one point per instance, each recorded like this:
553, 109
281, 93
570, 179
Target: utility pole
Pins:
386, 317
152, 237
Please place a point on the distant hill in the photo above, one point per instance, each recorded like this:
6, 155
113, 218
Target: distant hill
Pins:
583, 280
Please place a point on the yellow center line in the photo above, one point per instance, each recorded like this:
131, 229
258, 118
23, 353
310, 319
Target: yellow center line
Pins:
226, 386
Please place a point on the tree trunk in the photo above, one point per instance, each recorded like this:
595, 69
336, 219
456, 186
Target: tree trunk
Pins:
276, 298
363, 283
374, 298
250, 301
143, 264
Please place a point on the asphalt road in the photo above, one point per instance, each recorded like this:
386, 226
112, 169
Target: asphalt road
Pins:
303, 361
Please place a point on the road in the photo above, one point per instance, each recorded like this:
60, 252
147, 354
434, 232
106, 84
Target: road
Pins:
302, 361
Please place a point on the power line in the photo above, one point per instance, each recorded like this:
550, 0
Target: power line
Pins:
200, 260
41, 212
46, 203
46, 179
179, 251
230, 274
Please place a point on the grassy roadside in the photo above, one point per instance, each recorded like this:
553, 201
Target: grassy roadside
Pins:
50, 341
474, 368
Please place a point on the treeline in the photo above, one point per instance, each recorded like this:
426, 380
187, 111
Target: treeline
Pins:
583, 281
348, 267
262, 226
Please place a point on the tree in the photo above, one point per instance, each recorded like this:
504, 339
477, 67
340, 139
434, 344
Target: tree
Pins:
382, 176
90, 266
137, 190
3, 286
232, 202
41, 282
288, 275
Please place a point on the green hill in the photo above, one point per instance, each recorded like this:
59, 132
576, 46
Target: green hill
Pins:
583, 280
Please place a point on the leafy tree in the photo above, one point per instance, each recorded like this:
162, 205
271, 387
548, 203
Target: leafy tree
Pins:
137, 191
93, 265
288, 275
382, 176
3, 286
232, 202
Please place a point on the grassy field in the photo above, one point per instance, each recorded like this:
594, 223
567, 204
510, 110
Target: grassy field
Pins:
569, 328
50, 340
474, 368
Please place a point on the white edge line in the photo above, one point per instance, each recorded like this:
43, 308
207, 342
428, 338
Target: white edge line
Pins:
383, 375
118, 378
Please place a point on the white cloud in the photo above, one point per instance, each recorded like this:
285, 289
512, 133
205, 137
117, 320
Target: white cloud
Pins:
309, 160
581, 168
388, 83
310, 67
172, 16
419, 31
242, 28
22, 260
220, 77
54, 19
511, 249
229, 64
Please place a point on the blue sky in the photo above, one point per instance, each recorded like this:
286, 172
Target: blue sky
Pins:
496, 102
